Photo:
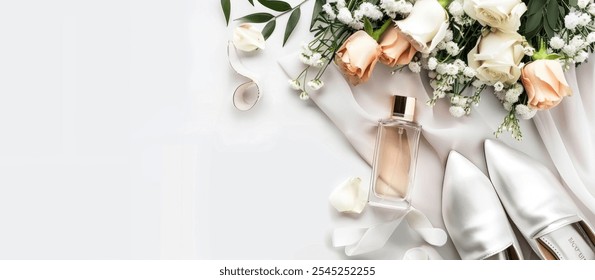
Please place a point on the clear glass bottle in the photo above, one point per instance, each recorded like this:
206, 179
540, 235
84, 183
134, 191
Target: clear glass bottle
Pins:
395, 157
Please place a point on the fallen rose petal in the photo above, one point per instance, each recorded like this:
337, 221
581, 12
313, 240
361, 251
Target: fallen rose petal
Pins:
350, 196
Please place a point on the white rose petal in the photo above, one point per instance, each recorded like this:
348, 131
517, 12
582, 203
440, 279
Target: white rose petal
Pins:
247, 38
425, 26
350, 196
582, 3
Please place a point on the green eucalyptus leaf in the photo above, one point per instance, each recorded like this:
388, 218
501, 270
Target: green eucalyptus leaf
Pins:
226, 6
316, 12
293, 20
276, 5
251, 2
573, 3
268, 29
256, 17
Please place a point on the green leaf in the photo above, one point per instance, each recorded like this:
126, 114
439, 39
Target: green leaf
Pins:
256, 18
553, 56
226, 6
376, 34
316, 12
534, 6
276, 5
268, 29
533, 25
368, 27
553, 14
251, 2
573, 3
293, 20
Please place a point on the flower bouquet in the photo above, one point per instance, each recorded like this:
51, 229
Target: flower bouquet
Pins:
518, 48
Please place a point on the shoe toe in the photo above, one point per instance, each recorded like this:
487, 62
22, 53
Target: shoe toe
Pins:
472, 213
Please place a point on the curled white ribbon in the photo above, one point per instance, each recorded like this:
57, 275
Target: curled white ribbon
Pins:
351, 197
243, 97
422, 253
364, 240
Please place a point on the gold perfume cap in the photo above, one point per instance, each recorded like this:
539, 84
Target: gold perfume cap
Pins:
404, 107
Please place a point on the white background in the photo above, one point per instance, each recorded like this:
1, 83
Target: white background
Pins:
118, 138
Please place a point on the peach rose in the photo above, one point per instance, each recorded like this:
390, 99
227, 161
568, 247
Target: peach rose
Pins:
357, 57
396, 50
544, 83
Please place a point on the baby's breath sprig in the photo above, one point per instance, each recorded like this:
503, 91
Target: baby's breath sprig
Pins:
510, 123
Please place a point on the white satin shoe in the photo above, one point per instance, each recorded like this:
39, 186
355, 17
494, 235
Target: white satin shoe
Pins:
537, 204
473, 214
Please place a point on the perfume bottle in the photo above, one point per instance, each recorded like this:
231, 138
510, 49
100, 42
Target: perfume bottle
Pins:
395, 156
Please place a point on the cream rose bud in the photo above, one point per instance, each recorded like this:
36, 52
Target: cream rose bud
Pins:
504, 15
358, 56
496, 57
425, 26
247, 38
545, 84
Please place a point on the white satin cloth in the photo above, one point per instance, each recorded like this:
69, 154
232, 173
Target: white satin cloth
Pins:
561, 138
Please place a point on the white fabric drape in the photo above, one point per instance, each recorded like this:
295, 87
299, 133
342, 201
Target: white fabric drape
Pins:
565, 133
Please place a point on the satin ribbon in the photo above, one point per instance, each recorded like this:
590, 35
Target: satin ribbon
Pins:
243, 97
422, 253
360, 129
364, 240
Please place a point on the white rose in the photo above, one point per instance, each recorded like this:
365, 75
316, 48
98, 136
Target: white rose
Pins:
496, 57
247, 38
504, 15
425, 26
